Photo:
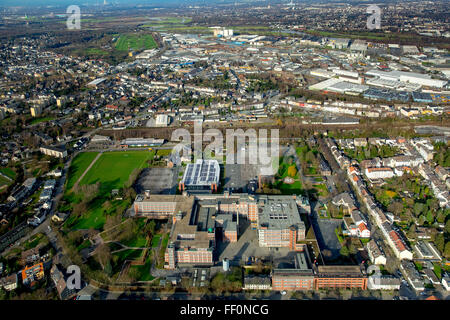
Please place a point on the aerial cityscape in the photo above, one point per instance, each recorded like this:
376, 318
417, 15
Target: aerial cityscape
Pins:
224, 150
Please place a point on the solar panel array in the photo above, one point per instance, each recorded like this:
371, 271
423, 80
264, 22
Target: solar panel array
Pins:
201, 173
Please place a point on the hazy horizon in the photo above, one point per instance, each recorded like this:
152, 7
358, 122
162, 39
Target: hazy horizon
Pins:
60, 3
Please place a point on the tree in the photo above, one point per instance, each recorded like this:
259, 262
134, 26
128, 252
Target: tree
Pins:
430, 217
292, 171
418, 208
310, 157
421, 219
107, 205
447, 226
80, 208
344, 251
439, 242
151, 226
447, 250
103, 255
440, 217
412, 231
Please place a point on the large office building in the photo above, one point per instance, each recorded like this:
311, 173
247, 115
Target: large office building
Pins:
279, 223
159, 206
192, 238
199, 220
201, 176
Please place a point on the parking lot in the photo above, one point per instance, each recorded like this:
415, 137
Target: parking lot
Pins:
326, 236
158, 180
237, 176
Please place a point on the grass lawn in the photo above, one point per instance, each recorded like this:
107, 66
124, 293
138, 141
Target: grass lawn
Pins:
34, 241
437, 270
128, 254
139, 240
294, 188
78, 166
165, 241
95, 218
8, 172
135, 42
163, 152
113, 169
86, 244
43, 119
144, 270
322, 189
162, 251
95, 51
155, 240
4, 181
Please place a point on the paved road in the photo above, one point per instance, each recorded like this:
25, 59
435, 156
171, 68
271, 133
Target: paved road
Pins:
43, 227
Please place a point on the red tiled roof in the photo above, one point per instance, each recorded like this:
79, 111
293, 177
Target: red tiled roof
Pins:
362, 227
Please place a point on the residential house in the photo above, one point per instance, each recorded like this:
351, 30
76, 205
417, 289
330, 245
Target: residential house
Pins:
9, 283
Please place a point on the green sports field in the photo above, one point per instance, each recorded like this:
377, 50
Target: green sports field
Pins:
135, 42
78, 166
113, 169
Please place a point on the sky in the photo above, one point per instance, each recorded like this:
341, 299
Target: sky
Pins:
34, 3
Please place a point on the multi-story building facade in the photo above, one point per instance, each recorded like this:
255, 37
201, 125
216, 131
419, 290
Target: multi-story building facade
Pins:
158, 206
376, 254
54, 152
200, 219
299, 278
339, 277
279, 224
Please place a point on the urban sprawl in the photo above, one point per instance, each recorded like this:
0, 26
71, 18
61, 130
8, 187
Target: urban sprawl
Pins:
91, 176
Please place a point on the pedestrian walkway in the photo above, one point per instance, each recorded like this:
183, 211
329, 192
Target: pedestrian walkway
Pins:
86, 171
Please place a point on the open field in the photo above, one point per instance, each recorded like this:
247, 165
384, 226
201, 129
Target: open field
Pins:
78, 166
167, 22
113, 169
43, 119
8, 172
135, 42
96, 51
